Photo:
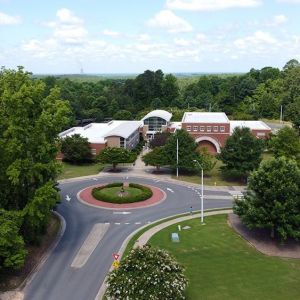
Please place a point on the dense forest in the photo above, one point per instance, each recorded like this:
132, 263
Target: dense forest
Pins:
256, 94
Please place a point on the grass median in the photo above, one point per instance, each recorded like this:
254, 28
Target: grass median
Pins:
221, 265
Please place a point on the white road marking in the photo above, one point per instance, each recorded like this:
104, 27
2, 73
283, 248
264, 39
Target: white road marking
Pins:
89, 245
117, 223
121, 212
137, 223
127, 223
68, 198
107, 223
95, 178
170, 190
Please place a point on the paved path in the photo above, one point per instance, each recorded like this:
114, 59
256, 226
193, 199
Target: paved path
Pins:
58, 280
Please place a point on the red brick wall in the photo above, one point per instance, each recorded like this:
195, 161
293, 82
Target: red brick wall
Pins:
209, 146
98, 147
266, 132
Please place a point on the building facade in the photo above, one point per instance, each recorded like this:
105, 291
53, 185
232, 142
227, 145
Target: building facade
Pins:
209, 130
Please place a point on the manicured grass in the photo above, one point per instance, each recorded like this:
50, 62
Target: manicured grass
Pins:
221, 265
214, 176
112, 193
71, 171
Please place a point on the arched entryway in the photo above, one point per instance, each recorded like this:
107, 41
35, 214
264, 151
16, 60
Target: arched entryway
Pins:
211, 144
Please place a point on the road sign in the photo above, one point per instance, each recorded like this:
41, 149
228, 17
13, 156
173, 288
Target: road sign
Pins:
116, 256
116, 264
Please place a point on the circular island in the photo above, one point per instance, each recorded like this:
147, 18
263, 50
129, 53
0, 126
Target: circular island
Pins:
120, 193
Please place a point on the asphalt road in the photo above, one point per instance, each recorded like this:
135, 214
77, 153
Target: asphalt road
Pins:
57, 280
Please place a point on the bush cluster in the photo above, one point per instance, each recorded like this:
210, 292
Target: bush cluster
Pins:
99, 194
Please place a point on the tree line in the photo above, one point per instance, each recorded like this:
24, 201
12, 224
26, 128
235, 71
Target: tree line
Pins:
256, 94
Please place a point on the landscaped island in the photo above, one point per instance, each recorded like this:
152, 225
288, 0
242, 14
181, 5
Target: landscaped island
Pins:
121, 193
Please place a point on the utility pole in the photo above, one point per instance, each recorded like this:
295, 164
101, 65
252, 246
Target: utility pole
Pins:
281, 114
177, 148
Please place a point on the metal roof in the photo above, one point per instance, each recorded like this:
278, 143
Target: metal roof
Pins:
205, 117
252, 125
97, 132
159, 113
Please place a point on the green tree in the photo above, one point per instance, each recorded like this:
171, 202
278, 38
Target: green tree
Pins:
241, 153
187, 151
286, 143
38, 211
123, 115
156, 158
12, 251
30, 123
115, 156
293, 113
273, 199
147, 273
76, 149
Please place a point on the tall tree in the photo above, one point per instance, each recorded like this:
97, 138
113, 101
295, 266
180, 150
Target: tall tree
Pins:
156, 158
286, 143
12, 246
273, 199
29, 127
241, 153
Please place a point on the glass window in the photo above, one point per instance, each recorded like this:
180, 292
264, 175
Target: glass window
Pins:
202, 128
208, 128
93, 151
216, 128
122, 142
222, 128
188, 128
155, 123
195, 128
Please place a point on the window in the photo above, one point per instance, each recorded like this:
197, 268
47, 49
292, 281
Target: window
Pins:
195, 128
93, 151
261, 134
216, 128
188, 128
222, 128
155, 123
202, 128
208, 128
122, 142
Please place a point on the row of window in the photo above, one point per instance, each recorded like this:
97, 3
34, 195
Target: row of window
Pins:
208, 128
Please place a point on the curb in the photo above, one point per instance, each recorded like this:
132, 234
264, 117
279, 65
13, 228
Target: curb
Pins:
61, 232
119, 208
212, 212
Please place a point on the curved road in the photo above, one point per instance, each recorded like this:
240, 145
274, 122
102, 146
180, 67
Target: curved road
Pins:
57, 280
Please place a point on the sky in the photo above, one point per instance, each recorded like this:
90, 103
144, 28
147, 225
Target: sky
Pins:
130, 36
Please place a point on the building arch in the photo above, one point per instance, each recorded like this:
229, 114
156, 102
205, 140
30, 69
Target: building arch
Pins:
211, 141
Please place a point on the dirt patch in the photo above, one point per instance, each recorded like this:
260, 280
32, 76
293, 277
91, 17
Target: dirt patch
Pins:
16, 279
261, 240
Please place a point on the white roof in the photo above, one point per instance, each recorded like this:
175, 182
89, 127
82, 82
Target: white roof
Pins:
159, 113
97, 132
204, 117
253, 125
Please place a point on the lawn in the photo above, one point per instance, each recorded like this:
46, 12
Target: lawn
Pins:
220, 265
214, 177
71, 171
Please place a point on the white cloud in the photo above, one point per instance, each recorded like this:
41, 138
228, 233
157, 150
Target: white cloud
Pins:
258, 41
9, 20
277, 20
111, 33
167, 20
182, 42
68, 28
210, 5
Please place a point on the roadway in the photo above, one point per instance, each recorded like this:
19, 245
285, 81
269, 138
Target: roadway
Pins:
57, 280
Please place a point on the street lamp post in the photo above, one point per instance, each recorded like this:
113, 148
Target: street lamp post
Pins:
202, 195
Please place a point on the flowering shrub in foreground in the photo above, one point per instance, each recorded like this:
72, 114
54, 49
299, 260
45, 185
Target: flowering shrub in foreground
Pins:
147, 273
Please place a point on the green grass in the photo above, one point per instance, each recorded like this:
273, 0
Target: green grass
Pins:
71, 171
220, 265
214, 176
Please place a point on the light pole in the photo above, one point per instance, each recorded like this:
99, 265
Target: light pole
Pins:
202, 214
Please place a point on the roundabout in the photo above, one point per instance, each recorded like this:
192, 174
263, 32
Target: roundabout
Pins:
103, 227
88, 196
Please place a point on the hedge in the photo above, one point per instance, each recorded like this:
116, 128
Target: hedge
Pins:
146, 193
